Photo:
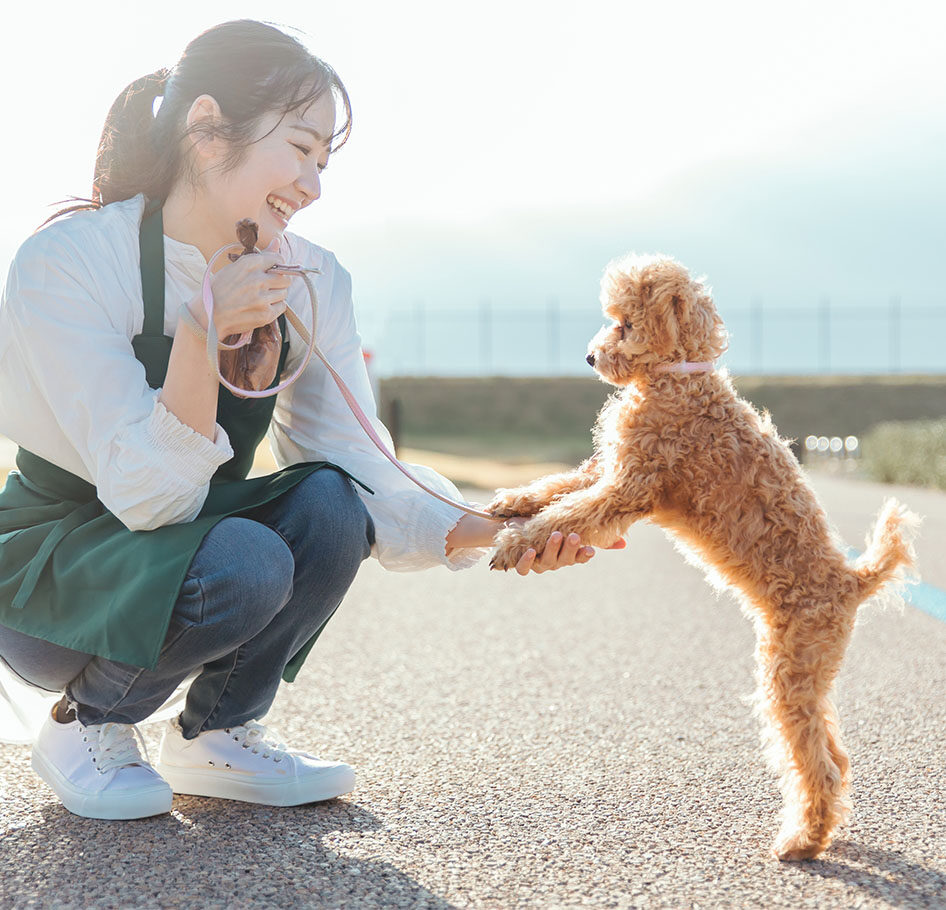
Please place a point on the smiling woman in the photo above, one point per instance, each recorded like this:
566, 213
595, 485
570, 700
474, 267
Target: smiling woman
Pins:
134, 550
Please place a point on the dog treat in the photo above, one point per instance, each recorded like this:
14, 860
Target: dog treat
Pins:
247, 231
253, 366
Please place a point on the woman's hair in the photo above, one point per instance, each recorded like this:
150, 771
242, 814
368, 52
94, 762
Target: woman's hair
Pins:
250, 68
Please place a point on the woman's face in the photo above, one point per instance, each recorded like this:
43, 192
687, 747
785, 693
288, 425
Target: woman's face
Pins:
279, 173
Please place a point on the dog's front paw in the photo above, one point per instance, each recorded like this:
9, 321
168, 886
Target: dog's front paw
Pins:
514, 502
511, 545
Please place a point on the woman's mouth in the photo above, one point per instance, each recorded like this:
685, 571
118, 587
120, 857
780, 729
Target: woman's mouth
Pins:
281, 209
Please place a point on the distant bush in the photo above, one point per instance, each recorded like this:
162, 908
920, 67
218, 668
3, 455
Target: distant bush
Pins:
912, 452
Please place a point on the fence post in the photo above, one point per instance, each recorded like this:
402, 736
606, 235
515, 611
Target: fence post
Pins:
894, 334
553, 326
486, 337
825, 326
755, 333
420, 332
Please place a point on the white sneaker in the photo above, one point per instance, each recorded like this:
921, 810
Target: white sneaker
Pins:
242, 763
98, 772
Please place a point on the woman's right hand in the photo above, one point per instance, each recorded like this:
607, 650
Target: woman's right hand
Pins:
245, 295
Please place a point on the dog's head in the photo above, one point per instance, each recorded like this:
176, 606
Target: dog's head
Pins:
658, 314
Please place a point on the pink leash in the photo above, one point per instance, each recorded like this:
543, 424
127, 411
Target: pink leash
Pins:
213, 344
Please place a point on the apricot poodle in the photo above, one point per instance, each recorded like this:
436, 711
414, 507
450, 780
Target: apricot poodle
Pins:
678, 446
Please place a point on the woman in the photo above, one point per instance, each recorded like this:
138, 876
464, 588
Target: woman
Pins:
134, 550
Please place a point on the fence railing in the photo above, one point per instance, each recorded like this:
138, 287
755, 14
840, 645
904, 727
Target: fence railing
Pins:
489, 338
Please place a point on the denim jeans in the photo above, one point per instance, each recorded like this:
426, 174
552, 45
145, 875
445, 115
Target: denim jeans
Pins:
260, 586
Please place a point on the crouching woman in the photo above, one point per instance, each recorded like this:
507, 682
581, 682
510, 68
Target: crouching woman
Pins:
134, 551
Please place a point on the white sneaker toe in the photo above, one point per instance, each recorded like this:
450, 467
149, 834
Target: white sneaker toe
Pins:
242, 763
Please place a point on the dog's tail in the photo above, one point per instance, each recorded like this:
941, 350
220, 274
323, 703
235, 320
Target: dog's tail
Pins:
890, 555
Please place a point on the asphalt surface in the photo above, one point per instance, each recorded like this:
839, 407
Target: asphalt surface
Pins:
581, 738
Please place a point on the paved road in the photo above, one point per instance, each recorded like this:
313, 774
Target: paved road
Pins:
576, 739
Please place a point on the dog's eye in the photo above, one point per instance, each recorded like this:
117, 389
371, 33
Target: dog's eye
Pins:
627, 324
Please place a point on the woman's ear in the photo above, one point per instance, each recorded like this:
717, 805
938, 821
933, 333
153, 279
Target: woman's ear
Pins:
204, 120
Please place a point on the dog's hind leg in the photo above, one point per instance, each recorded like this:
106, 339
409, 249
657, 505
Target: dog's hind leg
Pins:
797, 664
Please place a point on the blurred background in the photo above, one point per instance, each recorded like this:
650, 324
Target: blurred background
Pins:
503, 153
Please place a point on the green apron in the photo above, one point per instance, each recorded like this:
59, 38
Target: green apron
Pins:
71, 573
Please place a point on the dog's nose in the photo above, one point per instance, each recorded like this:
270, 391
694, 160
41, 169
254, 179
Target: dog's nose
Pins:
591, 360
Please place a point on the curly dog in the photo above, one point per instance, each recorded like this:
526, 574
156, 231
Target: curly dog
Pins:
678, 446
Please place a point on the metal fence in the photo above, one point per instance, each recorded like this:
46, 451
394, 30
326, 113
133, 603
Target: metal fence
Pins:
491, 339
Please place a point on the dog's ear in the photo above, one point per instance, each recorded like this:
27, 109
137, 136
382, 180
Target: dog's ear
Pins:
686, 325
666, 295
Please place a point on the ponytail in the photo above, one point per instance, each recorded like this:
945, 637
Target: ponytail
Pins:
129, 160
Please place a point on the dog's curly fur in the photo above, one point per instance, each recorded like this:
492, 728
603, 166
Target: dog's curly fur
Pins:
685, 451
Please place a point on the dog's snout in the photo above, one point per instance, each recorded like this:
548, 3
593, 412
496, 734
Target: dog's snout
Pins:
591, 360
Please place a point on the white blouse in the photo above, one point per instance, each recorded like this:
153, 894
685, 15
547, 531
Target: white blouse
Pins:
72, 391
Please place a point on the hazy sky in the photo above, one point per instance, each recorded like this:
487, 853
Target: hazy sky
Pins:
489, 136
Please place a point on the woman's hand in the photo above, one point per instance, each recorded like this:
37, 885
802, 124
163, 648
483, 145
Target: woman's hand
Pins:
471, 531
246, 296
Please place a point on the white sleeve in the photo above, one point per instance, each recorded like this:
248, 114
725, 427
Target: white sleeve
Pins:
312, 422
72, 339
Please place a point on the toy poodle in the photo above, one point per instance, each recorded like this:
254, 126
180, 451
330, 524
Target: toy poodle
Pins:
678, 446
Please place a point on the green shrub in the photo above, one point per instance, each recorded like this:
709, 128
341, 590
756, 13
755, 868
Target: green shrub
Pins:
912, 452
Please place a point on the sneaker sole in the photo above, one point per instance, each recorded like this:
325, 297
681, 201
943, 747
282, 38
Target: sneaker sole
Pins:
118, 805
329, 784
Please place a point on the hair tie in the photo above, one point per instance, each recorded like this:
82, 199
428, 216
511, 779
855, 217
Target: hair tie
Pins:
159, 80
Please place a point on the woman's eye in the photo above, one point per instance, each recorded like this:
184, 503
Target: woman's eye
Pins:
302, 148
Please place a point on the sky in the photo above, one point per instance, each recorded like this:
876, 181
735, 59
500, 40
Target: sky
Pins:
504, 152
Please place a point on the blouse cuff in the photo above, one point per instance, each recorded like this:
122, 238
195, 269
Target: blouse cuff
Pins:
188, 453
437, 521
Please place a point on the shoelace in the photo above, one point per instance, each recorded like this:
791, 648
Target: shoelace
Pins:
253, 735
114, 745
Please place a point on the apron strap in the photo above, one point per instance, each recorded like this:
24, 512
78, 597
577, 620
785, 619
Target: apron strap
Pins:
151, 246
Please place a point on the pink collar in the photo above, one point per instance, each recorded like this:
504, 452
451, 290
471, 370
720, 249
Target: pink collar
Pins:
686, 367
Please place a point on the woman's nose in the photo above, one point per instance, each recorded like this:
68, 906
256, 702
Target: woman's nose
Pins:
310, 185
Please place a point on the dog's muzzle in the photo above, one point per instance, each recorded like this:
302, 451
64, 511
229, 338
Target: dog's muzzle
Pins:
591, 360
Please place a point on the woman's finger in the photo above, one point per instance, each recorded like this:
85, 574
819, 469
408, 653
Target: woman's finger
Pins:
525, 562
569, 550
549, 557
265, 260
272, 296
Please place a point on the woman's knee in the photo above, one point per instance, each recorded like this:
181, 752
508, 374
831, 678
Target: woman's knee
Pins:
243, 569
332, 516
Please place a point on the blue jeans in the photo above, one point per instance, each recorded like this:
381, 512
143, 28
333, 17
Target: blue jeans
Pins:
260, 586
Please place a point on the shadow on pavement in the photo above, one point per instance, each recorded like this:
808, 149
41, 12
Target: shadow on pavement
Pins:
884, 875
206, 853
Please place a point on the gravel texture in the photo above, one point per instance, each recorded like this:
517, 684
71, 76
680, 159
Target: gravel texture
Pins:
581, 738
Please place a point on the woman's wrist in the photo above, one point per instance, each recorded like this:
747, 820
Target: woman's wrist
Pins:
473, 531
198, 316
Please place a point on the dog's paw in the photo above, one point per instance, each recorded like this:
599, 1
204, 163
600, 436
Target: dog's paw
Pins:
795, 846
511, 545
514, 502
